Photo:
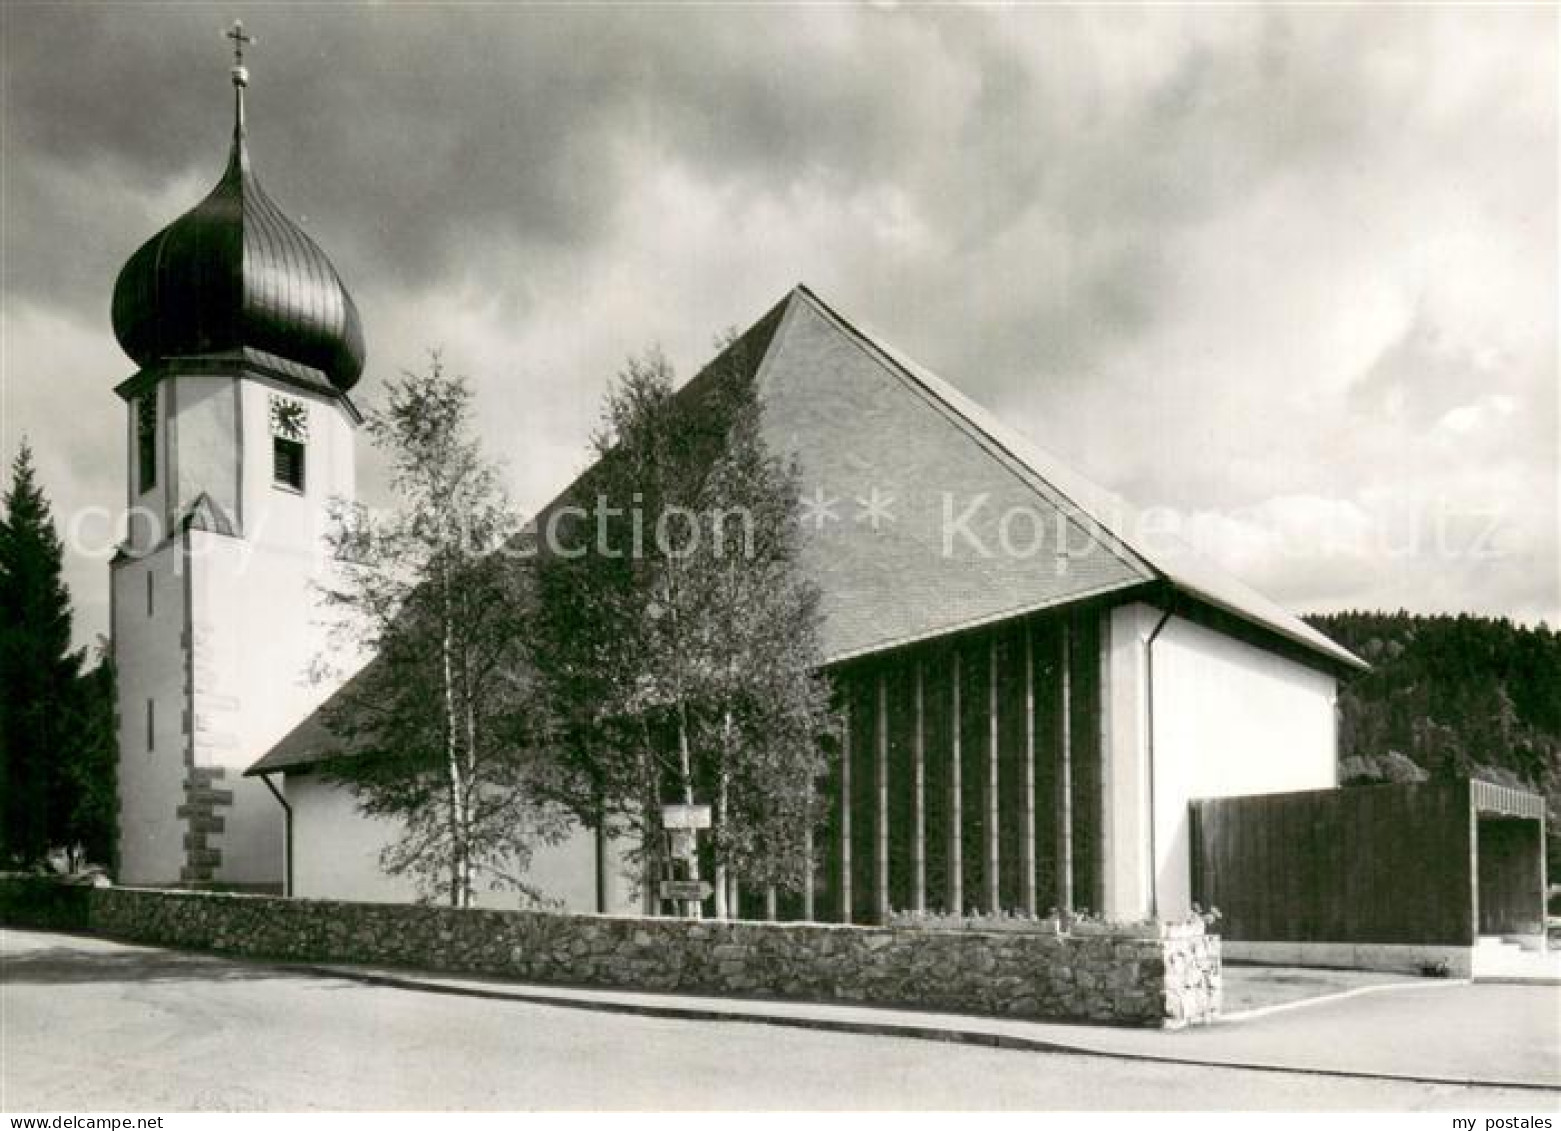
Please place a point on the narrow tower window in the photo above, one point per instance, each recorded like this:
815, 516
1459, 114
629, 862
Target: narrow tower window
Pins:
146, 439
151, 725
287, 463
150, 606
289, 431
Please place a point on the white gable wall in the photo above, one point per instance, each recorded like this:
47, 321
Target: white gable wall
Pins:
1228, 719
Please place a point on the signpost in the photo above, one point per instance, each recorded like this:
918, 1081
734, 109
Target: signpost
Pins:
685, 817
695, 891
682, 824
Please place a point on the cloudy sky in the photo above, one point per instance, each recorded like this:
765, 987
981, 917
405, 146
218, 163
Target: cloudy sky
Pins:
1291, 274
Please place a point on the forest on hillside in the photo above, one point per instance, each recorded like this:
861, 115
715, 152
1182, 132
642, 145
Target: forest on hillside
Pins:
1452, 696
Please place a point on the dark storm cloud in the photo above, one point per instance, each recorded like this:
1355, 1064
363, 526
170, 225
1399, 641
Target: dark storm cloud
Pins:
454, 135
447, 130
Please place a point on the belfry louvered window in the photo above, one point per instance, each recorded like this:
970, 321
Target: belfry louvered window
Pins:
287, 463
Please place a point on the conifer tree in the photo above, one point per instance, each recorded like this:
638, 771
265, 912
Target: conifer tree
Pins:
37, 670
90, 771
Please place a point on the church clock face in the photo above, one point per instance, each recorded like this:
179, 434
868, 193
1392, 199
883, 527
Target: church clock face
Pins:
289, 419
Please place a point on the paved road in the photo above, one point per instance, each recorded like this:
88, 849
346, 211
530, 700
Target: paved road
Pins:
88, 1025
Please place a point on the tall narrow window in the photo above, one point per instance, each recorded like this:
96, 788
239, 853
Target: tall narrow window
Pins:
151, 608
289, 431
151, 725
146, 439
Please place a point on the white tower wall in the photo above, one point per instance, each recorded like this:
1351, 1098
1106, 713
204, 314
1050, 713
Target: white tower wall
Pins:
224, 651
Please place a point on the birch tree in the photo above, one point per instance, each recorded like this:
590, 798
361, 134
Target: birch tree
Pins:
440, 730
613, 638
679, 636
766, 703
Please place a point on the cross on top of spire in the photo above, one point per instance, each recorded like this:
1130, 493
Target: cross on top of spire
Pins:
239, 37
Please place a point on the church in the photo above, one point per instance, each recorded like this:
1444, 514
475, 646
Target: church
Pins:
1035, 685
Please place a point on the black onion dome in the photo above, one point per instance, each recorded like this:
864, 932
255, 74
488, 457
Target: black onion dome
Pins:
233, 273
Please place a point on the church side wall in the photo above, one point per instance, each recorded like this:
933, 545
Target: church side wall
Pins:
336, 856
336, 848
1230, 719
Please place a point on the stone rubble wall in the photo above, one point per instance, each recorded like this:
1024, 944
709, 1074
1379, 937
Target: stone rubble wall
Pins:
1111, 978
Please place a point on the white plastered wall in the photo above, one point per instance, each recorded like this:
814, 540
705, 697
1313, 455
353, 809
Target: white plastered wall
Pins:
149, 660
336, 852
257, 625
205, 438
236, 625
1229, 719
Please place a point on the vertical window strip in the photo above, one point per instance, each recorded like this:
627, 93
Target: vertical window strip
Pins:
146, 440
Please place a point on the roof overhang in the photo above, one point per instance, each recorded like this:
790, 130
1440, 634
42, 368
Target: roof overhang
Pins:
1490, 800
250, 362
1165, 595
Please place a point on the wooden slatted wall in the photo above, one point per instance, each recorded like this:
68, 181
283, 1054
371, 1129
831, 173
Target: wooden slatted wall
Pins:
1386, 864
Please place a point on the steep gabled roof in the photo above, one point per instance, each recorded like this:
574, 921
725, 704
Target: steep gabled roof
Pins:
916, 523
1107, 515
892, 459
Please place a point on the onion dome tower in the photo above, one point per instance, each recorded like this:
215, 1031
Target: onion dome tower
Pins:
235, 274
241, 435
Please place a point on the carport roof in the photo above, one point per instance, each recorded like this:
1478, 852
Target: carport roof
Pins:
1491, 800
